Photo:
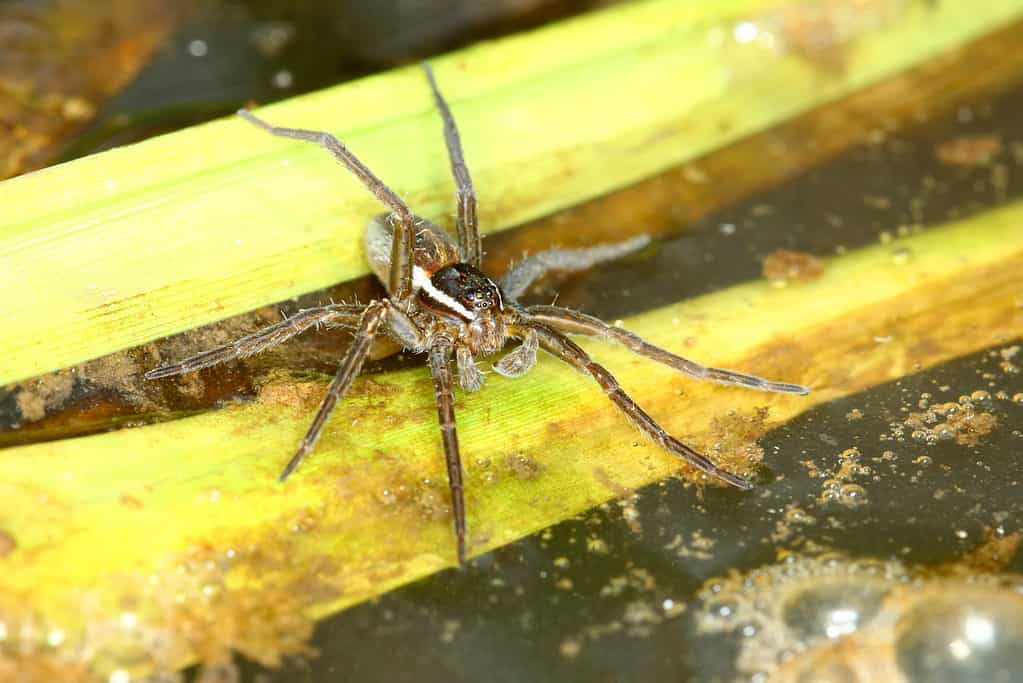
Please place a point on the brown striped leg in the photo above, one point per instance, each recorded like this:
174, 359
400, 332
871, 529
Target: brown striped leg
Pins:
570, 352
440, 368
574, 322
338, 315
400, 281
467, 220
374, 314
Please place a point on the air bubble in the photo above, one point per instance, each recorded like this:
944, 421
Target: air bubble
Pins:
797, 515
853, 495
723, 609
952, 639
832, 610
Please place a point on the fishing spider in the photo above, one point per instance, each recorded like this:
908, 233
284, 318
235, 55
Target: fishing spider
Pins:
439, 303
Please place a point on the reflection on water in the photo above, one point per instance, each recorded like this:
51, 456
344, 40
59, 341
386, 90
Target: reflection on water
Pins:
830, 618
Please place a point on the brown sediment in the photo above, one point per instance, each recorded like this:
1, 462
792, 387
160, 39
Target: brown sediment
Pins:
782, 266
62, 61
7, 543
993, 554
969, 151
601, 475
732, 440
960, 420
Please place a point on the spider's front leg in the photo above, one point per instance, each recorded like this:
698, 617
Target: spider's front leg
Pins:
470, 378
466, 220
399, 283
521, 360
440, 368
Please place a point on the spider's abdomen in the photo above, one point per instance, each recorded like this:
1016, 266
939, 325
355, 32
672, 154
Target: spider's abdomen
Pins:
433, 250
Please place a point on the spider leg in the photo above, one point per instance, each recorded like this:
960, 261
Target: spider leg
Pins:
440, 368
574, 322
570, 352
373, 315
338, 315
400, 281
521, 360
470, 378
527, 271
467, 220
402, 328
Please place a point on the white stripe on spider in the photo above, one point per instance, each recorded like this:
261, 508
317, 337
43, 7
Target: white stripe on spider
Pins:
422, 281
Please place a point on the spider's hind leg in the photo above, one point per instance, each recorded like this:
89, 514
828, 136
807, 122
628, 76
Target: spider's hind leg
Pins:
374, 314
524, 273
334, 315
571, 353
574, 322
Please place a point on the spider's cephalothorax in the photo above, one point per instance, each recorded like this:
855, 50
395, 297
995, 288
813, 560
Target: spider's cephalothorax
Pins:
440, 303
461, 292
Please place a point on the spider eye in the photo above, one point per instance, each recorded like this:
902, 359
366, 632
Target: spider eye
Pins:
480, 300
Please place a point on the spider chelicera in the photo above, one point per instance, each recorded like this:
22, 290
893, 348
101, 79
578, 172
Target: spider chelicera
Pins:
439, 303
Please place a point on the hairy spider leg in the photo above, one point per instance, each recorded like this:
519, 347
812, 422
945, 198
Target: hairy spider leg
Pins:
520, 360
570, 352
440, 369
399, 284
574, 322
374, 314
520, 276
340, 315
466, 220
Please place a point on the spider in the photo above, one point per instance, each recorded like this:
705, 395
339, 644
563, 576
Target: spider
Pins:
440, 304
